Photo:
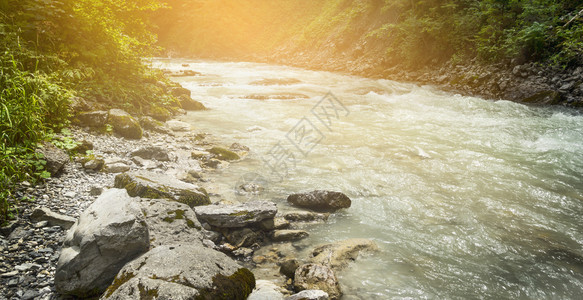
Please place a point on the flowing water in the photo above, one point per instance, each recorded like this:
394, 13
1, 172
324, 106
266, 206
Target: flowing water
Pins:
466, 198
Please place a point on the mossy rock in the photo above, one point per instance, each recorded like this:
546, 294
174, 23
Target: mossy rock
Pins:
223, 154
160, 113
182, 271
188, 103
159, 186
124, 124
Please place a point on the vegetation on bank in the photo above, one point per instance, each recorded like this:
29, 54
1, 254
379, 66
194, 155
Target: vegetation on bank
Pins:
52, 51
403, 33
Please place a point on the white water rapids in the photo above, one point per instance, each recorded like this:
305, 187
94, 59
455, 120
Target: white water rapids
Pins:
466, 198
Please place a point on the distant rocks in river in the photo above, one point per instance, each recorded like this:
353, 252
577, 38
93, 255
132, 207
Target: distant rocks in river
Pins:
180, 73
276, 81
339, 254
286, 96
320, 200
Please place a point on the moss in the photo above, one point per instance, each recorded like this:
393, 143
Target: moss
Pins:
237, 286
193, 199
117, 282
146, 294
224, 154
180, 215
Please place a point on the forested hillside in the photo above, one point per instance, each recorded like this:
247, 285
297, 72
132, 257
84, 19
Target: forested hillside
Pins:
57, 54
399, 32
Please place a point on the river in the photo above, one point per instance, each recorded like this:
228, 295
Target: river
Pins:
466, 198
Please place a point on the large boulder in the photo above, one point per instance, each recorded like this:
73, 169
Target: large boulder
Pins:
170, 222
110, 233
56, 158
160, 186
317, 277
180, 91
337, 255
233, 216
124, 124
320, 200
185, 271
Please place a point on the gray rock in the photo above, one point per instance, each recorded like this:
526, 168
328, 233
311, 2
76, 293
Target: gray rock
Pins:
244, 237
124, 124
152, 152
179, 126
159, 186
180, 91
288, 267
188, 271
280, 223
170, 222
95, 164
149, 123
56, 158
233, 216
188, 103
117, 168
337, 255
305, 216
284, 235
53, 218
107, 235
309, 295
265, 290
317, 277
320, 200
95, 119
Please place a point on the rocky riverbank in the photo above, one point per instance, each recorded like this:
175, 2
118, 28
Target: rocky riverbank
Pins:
528, 83
136, 197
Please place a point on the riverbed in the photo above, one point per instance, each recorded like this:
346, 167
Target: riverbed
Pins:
466, 198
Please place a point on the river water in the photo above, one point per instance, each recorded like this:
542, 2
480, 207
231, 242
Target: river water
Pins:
466, 198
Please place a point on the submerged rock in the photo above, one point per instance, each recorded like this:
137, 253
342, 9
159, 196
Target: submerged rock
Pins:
107, 235
289, 235
305, 216
337, 255
160, 186
184, 271
233, 216
320, 200
317, 277
124, 124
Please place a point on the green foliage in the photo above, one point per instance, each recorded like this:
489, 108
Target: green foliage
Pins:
52, 50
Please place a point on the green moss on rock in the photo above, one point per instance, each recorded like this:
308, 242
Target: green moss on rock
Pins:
237, 286
117, 282
224, 154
